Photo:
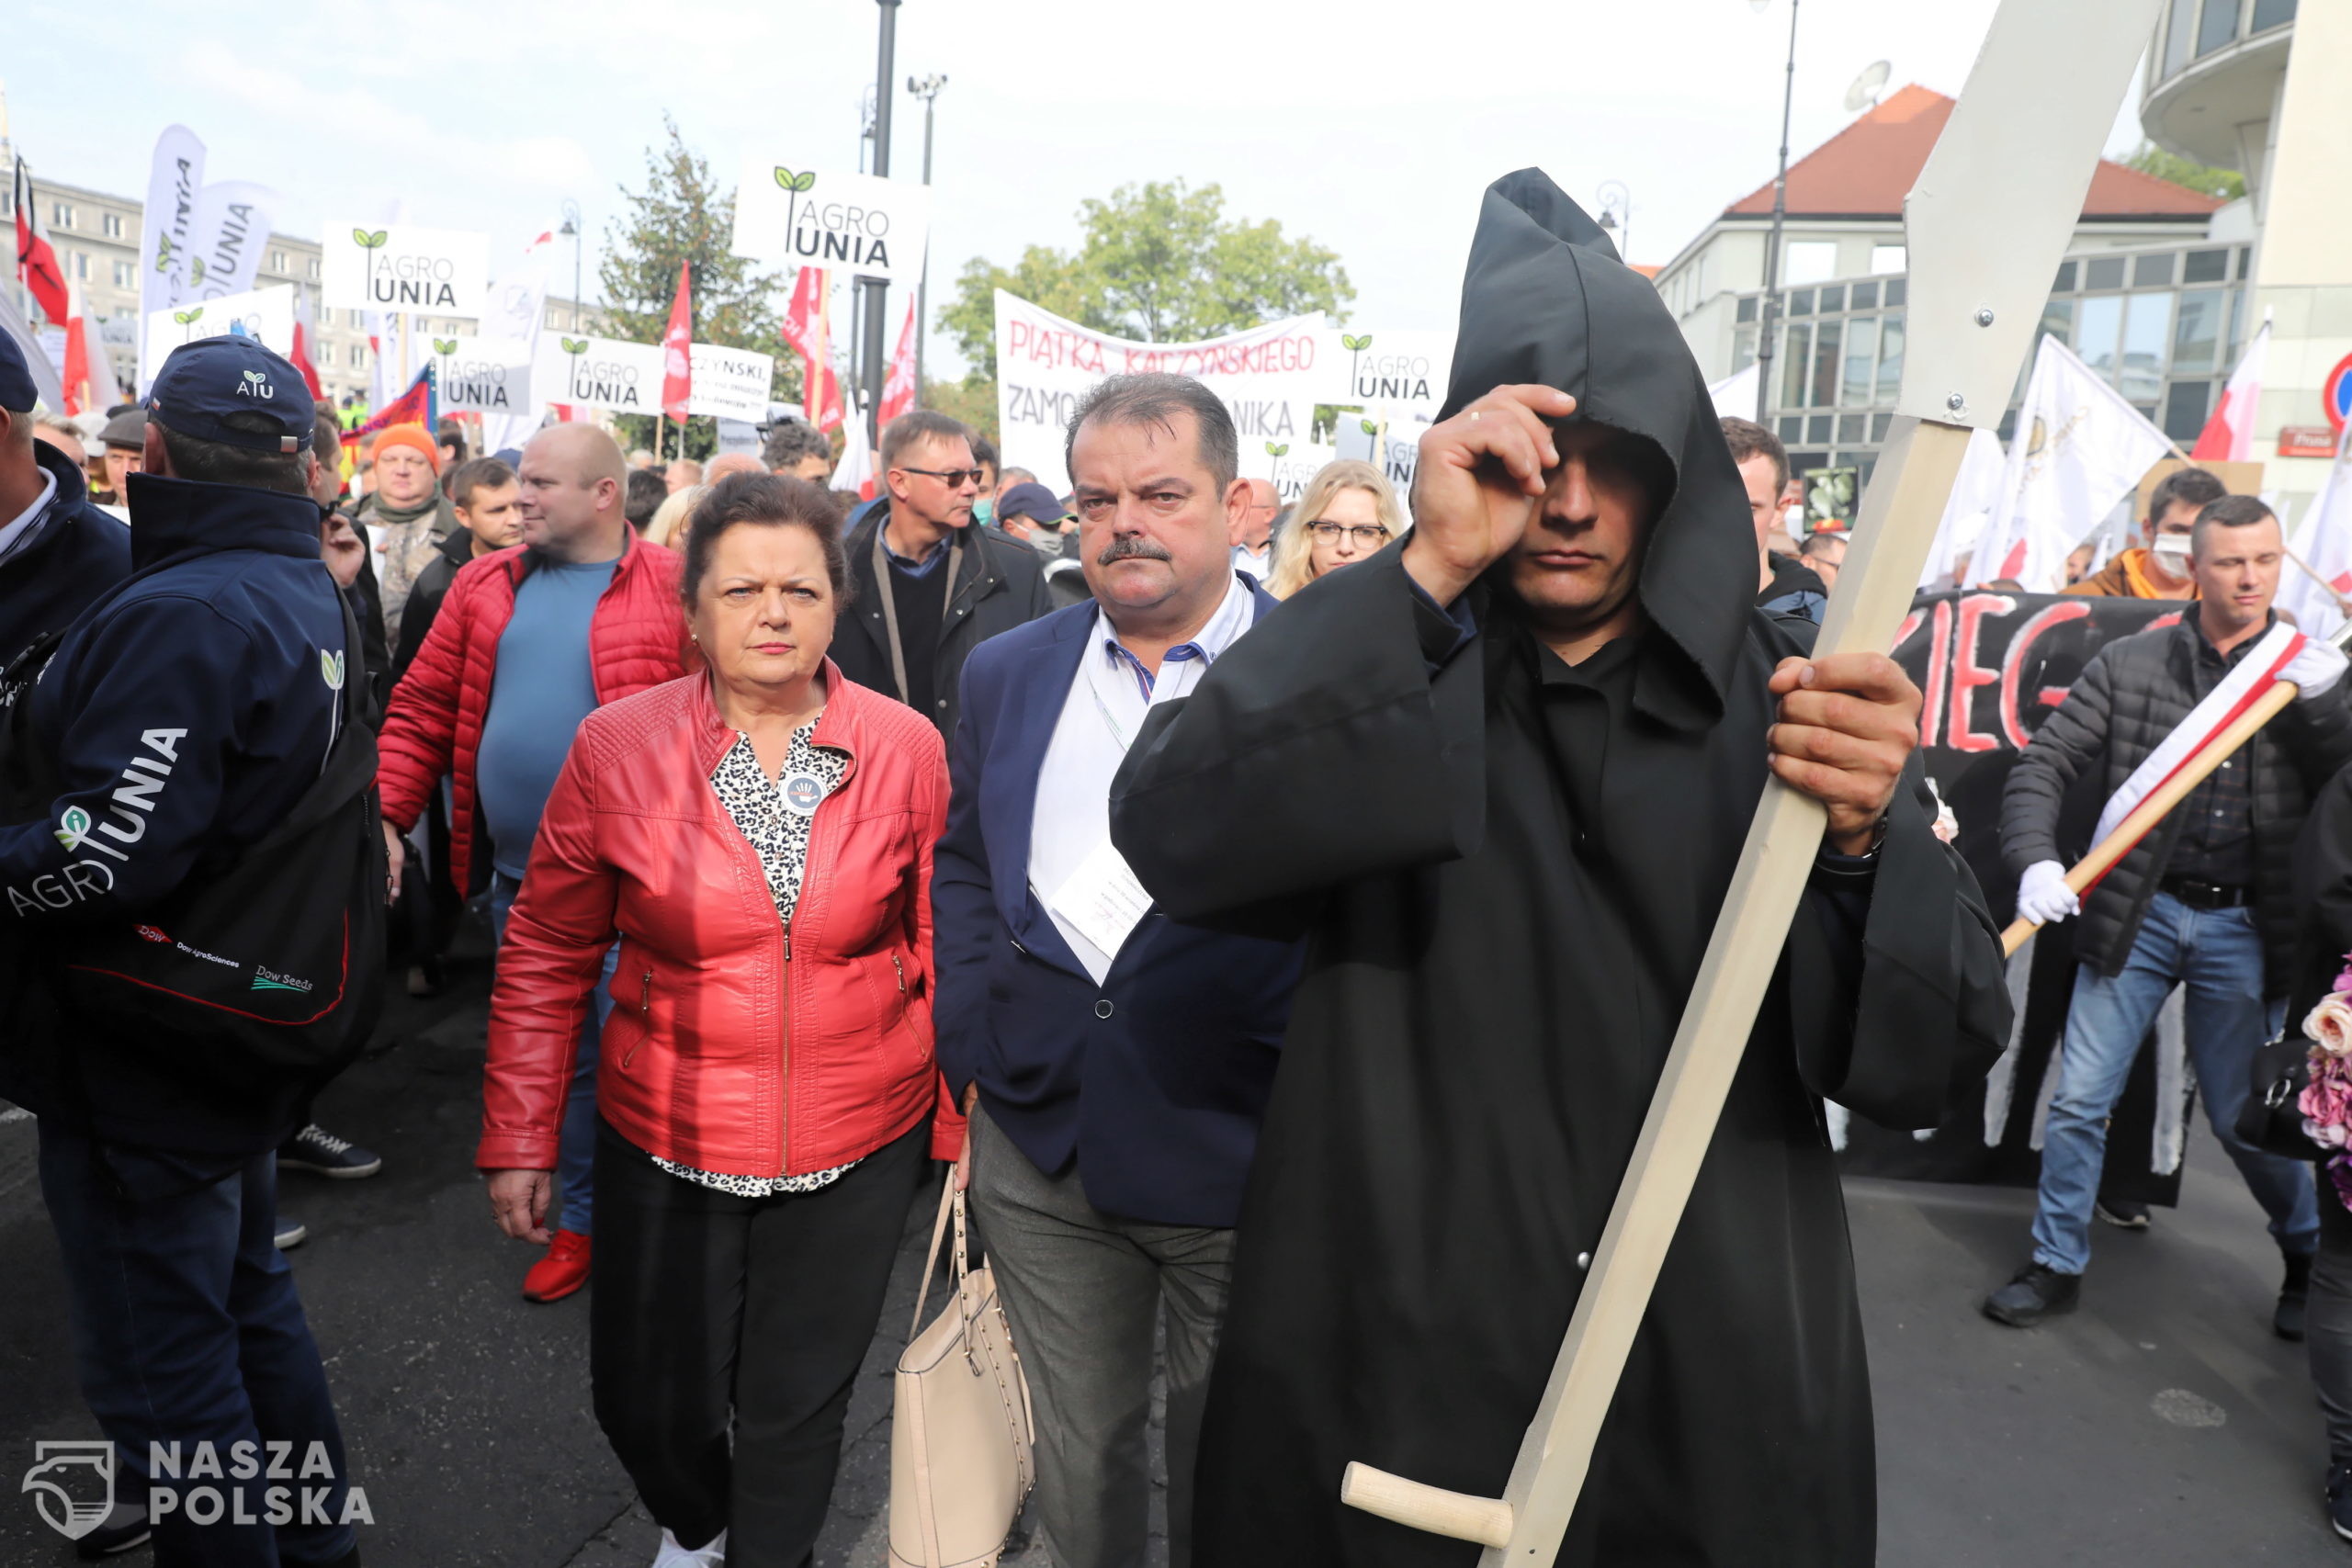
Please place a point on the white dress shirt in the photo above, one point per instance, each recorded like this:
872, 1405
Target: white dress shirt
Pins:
1260, 567
1100, 719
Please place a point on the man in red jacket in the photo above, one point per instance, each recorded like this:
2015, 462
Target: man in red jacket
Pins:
529, 641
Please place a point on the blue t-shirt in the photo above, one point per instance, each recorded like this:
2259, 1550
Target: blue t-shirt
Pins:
545, 685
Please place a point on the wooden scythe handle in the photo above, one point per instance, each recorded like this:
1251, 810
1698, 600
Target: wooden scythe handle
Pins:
2151, 811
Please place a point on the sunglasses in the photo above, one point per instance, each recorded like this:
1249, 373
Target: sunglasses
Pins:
954, 478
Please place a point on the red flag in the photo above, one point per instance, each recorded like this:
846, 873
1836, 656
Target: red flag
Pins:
898, 387
2228, 436
807, 327
418, 405
82, 391
303, 359
35, 263
677, 352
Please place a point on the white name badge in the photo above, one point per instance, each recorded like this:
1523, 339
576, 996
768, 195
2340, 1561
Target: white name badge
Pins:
1103, 899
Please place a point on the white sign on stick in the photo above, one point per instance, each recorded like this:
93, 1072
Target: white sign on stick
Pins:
1270, 379
790, 215
266, 315
1403, 373
401, 267
598, 373
1290, 464
485, 375
732, 383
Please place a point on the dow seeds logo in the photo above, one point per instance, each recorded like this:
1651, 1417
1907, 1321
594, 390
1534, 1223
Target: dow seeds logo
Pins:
65, 1473
73, 827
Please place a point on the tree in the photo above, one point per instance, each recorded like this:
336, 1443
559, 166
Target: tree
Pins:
1159, 262
682, 216
971, 401
2151, 158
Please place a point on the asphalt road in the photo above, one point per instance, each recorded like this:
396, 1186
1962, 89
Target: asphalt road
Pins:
2161, 1425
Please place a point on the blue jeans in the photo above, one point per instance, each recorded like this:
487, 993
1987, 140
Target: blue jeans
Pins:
186, 1331
2217, 955
575, 1186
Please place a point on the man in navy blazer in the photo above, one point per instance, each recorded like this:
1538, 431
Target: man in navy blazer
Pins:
1115, 1063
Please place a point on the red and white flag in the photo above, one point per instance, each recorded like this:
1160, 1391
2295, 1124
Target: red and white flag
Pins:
677, 352
807, 327
37, 263
304, 357
87, 374
898, 387
2228, 436
2244, 686
2324, 542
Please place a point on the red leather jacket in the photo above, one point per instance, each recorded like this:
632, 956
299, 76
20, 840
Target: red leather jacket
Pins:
433, 725
736, 1045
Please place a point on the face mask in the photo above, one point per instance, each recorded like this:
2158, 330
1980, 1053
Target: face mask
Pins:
1046, 543
983, 510
2174, 549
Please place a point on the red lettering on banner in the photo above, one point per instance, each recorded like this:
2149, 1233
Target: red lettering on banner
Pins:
1931, 711
2169, 618
1967, 674
2013, 666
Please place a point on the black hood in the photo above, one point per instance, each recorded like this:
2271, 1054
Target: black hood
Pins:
1546, 300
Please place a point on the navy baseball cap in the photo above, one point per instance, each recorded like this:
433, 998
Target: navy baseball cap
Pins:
214, 376
1033, 502
17, 394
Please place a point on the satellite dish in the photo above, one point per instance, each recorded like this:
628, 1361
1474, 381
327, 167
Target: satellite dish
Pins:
1863, 93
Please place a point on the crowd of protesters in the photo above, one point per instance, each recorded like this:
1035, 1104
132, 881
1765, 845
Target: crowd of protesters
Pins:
792, 819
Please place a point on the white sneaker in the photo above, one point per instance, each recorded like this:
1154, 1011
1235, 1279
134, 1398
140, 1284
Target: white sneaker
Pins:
673, 1555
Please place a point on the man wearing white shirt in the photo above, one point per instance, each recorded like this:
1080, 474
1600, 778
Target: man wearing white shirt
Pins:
1253, 531
1114, 1062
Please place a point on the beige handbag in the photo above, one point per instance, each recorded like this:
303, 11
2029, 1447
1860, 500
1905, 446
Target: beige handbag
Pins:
960, 1426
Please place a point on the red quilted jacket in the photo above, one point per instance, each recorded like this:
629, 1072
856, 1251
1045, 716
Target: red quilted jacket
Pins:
737, 1044
637, 639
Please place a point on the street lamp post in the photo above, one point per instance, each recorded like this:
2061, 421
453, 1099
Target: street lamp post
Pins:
571, 230
877, 290
927, 89
1769, 316
1617, 217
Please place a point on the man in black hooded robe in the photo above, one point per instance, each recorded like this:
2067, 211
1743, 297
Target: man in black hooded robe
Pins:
1508, 811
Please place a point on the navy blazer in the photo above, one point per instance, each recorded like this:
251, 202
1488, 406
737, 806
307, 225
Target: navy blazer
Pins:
1153, 1082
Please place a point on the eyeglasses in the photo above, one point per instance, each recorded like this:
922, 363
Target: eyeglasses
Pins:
1367, 536
954, 478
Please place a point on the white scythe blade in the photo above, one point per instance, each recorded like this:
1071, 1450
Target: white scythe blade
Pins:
1987, 224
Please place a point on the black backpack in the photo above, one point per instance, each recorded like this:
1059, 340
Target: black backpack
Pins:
260, 967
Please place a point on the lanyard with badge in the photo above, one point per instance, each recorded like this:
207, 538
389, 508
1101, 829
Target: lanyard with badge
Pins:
1102, 899
890, 606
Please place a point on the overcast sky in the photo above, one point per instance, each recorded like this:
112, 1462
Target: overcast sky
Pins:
1371, 129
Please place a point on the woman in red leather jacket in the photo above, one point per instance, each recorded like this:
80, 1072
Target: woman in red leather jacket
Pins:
759, 838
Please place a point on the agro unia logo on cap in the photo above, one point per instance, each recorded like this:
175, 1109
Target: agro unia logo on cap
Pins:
256, 384
71, 1483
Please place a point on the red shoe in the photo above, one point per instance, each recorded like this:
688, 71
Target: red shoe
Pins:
564, 1270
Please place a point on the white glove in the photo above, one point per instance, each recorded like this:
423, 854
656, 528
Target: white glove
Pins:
2043, 896
2317, 667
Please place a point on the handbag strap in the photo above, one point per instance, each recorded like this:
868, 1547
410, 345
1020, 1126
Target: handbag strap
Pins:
947, 1205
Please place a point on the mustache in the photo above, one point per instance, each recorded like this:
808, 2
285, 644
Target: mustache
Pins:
1131, 546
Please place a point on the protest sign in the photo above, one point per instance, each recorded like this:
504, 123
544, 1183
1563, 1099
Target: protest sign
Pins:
174, 179
226, 236
266, 315
788, 214
1268, 376
1402, 374
1290, 464
485, 375
730, 383
598, 373
1993, 668
401, 267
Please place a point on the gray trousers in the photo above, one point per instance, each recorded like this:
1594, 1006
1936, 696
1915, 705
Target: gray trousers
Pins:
1081, 1290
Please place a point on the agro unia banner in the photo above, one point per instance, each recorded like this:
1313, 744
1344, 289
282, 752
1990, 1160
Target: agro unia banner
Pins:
482, 375
791, 215
401, 267
598, 373
227, 238
266, 315
174, 180
1270, 377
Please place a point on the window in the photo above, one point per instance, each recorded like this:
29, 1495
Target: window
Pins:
2058, 320
60, 215
1810, 261
2064, 283
112, 225
1744, 312
1879, 422
2206, 267
126, 275
359, 357
2097, 324
2147, 332
1888, 258
2246, 263
1865, 297
1743, 349
2184, 409
2107, 272
1850, 427
1825, 365
1832, 299
2269, 14
1818, 429
277, 261
1801, 302
1795, 349
2177, 34
1890, 358
2217, 26
2152, 272
553, 325
313, 267
81, 265
1861, 363
2197, 333
1791, 430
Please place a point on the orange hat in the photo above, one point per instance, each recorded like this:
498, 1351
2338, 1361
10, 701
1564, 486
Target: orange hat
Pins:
412, 435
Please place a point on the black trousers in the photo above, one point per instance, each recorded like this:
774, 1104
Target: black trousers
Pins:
715, 1315
2328, 1331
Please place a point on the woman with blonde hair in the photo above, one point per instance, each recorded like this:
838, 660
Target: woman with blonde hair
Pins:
1348, 511
668, 527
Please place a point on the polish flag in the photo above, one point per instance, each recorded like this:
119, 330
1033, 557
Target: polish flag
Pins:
2228, 436
88, 377
807, 328
898, 387
303, 359
2317, 598
677, 352
36, 262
